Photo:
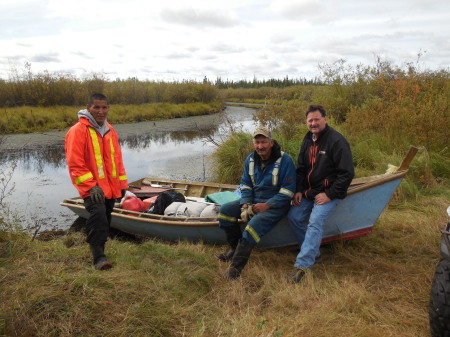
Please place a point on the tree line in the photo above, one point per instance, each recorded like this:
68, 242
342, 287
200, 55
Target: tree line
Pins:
265, 83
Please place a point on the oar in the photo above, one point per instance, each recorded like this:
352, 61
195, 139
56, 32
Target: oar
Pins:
169, 187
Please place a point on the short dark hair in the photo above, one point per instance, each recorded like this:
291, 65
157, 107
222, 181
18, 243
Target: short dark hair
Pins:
99, 97
316, 107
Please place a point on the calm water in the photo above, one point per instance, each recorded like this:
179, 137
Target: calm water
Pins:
41, 180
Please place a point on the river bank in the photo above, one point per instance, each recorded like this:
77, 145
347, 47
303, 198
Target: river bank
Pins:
41, 139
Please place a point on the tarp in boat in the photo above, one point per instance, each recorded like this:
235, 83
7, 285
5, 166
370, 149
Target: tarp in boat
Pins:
222, 197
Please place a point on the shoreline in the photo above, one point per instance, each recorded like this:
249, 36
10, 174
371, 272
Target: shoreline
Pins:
42, 139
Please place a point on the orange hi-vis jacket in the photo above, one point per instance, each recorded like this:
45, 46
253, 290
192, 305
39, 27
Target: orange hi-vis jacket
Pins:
95, 160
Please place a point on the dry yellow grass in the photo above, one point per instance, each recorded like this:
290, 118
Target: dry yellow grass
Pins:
375, 286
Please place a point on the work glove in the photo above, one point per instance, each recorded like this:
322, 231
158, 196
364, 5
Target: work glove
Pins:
247, 213
123, 193
97, 195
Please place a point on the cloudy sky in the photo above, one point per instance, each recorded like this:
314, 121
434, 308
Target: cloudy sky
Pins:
234, 39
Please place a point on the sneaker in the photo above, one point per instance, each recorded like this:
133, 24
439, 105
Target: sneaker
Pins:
295, 276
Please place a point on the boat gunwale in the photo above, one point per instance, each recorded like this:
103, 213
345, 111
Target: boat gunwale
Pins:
194, 221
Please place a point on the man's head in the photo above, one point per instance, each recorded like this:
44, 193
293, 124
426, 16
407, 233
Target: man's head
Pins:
262, 142
316, 119
98, 106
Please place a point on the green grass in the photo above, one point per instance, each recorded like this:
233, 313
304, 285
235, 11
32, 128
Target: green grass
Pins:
37, 119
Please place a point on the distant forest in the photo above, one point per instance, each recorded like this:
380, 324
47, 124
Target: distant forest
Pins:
269, 83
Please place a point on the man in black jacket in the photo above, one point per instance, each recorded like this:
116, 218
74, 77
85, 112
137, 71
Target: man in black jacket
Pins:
324, 172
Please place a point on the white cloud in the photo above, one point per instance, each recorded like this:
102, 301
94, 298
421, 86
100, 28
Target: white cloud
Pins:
234, 39
312, 11
193, 17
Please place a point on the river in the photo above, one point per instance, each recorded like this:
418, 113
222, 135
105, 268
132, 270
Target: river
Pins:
175, 149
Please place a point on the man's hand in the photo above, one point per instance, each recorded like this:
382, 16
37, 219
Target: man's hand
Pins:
97, 195
260, 207
321, 199
297, 199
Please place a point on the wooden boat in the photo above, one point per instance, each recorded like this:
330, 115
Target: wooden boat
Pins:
354, 217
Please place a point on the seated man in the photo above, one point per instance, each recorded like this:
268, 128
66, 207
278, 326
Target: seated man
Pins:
268, 185
324, 173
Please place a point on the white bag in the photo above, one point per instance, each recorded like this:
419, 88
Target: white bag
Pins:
210, 211
171, 210
190, 209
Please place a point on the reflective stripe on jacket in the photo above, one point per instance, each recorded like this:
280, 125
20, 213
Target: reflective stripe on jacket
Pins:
251, 170
95, 160
273, 184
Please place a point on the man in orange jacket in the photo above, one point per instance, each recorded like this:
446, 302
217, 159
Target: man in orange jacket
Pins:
94, 159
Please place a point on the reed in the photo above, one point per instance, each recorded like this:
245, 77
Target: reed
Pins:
27, 88
230, 156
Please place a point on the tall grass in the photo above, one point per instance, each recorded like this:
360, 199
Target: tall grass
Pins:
390, 105
382, 110
26, 88
230, 156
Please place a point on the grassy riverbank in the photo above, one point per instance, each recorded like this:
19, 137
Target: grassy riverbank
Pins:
37, 119
373, 286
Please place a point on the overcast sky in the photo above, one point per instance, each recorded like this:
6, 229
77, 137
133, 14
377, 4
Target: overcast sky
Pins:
234, 39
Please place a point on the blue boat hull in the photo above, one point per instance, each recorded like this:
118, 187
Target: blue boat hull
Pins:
353, 217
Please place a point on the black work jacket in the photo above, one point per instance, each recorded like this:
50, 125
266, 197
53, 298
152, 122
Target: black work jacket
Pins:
324, 165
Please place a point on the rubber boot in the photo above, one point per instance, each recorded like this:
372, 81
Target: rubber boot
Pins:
100, 260
240, 259
234, 234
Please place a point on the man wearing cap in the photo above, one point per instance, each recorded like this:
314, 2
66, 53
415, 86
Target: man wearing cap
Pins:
268, 185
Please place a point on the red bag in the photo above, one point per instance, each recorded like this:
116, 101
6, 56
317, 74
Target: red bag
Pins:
150, 201
133, 203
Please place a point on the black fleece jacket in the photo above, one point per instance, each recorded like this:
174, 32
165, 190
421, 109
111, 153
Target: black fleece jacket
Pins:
324, 165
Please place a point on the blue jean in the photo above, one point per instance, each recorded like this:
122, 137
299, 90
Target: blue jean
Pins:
307, 221
257, 227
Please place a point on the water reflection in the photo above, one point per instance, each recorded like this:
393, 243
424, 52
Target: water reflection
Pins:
143, 141
42, 180
36, 159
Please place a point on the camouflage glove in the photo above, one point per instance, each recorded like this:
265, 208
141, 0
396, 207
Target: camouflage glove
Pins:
97, 195
247, 213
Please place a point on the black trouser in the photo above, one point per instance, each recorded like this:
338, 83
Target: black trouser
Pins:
97, 225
